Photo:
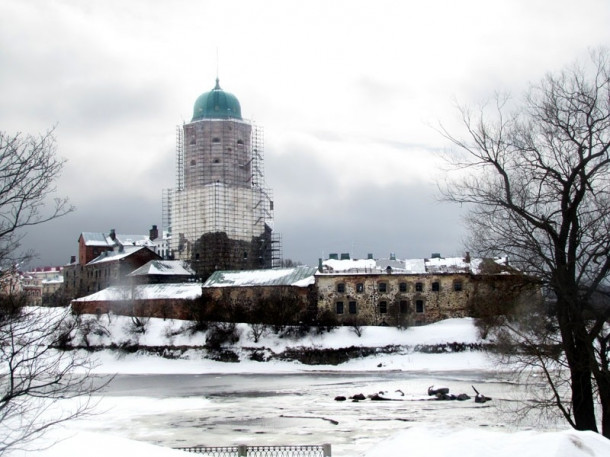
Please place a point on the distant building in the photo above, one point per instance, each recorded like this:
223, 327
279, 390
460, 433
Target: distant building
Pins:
144, 300
163, 271
106, 259
220, 215
42, 282
252, 286
404, 292
92, 244
35, 284
347, 291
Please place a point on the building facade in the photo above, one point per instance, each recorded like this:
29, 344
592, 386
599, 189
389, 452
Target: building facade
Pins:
105, 259
219, 215
408, 292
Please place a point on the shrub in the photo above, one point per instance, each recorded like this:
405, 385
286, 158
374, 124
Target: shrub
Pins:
221, 333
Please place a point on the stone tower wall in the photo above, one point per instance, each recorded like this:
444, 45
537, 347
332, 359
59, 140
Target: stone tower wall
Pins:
217, 151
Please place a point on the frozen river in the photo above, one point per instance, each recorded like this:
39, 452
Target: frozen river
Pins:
220, 410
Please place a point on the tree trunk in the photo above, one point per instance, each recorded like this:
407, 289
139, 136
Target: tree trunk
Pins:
582, 396
573, 334
603, 386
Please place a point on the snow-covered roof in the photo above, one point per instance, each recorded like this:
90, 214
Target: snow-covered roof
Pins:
165, 268
118, 254
134, 240
350, 265
301, 276
55, 280
95, 239
187, 290
407, 266
101, 239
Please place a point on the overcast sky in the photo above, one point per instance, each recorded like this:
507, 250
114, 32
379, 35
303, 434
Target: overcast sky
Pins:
348, 93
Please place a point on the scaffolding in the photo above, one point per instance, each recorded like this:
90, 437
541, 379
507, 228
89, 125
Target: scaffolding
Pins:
179, 158
220, 212
167, 199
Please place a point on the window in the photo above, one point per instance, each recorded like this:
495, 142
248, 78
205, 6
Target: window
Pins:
215, 140
193, 162
402, 287
457, 286
341, 288
419, 286
383, 307
216, 160
339, 307
419, 306
240, 142
436, 286
404, 306
352, 307
359, 287
382, 287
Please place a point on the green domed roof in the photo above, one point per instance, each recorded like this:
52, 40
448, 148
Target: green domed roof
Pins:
216, 104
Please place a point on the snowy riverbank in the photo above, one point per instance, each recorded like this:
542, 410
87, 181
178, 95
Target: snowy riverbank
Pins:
415, 439
402, 353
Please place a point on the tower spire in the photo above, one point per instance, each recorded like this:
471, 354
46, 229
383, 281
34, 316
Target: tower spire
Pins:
217, 65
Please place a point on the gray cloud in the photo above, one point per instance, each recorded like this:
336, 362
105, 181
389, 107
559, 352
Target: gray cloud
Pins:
403, 219
348, 156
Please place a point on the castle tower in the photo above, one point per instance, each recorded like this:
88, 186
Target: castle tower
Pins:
220, 214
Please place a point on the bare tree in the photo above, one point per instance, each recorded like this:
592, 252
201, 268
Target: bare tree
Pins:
35, 375
40, 385
29, 168
536, 177
257, 331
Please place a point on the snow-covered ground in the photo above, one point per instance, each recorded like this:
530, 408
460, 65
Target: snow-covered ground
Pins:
412, 442
414, 439
161, 332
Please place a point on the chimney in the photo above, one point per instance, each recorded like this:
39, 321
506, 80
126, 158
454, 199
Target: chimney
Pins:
467, 257
153, 234
320, 267
72, 259
112, 235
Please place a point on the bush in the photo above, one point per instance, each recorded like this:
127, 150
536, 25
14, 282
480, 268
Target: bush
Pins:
326, 321
221, 333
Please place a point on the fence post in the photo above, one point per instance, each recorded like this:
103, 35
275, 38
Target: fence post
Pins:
327, 450
242, 450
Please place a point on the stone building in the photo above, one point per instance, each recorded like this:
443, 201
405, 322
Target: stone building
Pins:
255, 286
403, 292
219, 215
